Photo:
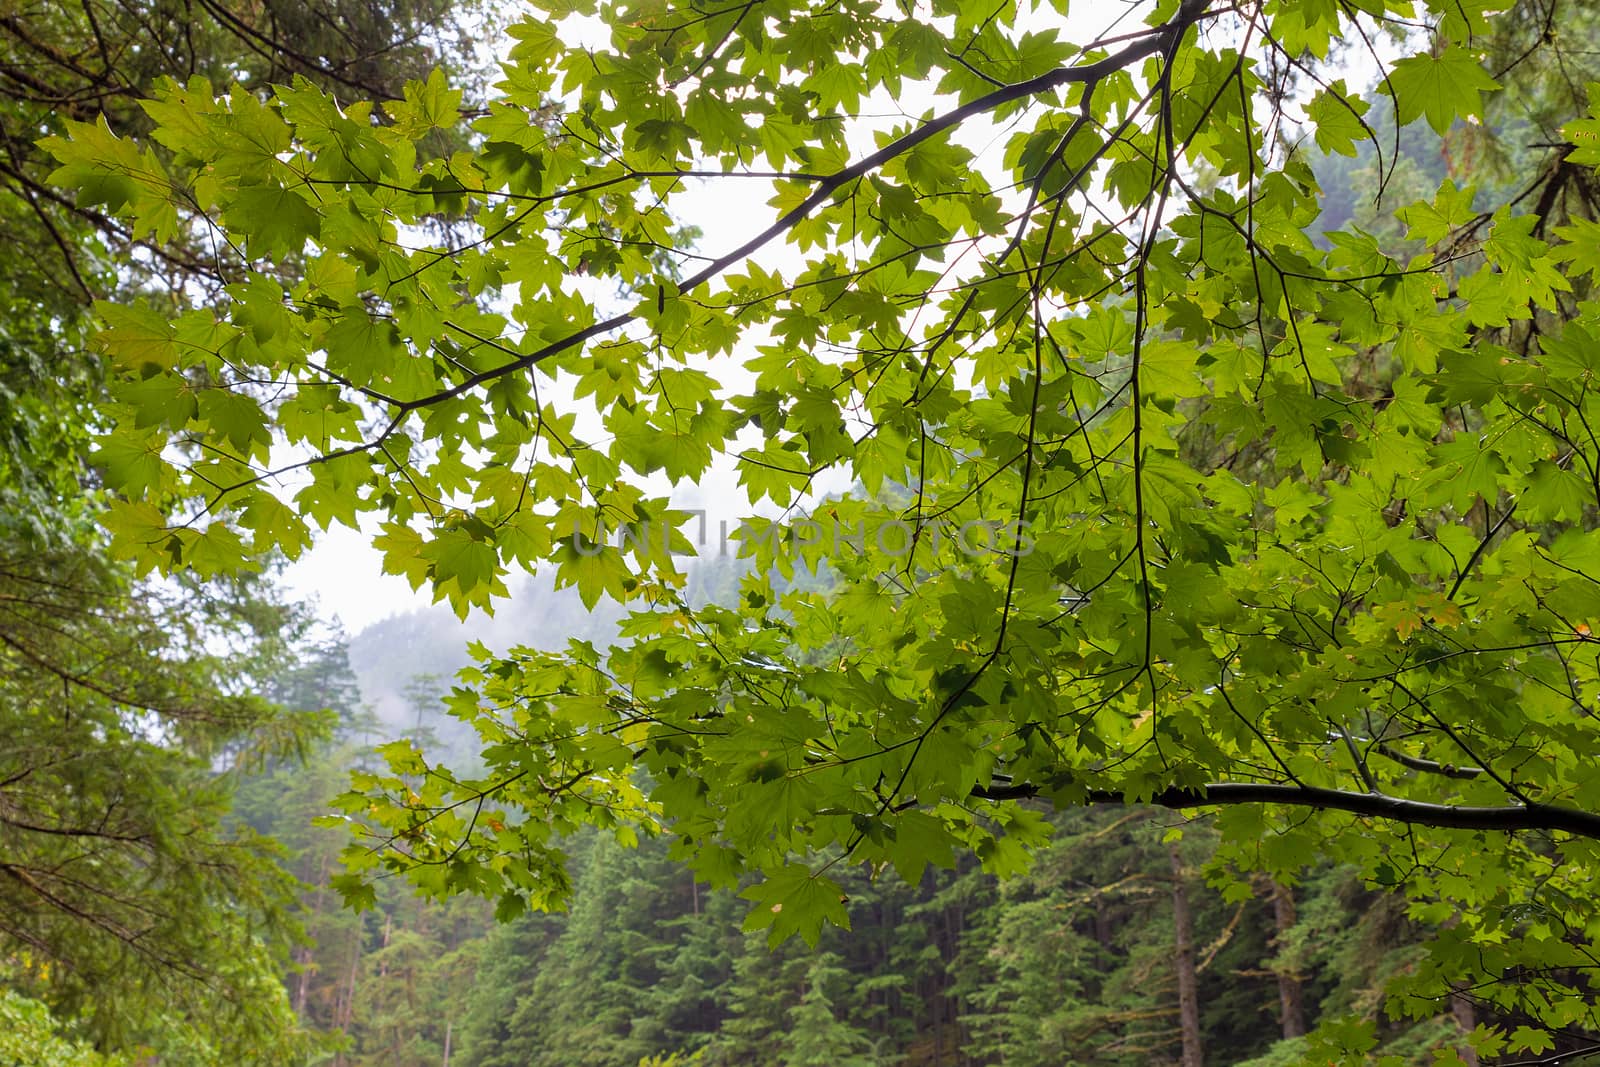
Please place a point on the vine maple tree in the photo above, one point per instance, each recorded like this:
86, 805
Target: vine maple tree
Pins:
1299, 528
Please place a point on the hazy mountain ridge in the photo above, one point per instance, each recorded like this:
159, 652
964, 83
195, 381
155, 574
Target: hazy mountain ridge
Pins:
415, 655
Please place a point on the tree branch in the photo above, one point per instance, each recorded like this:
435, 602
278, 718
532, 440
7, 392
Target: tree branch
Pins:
1417, 763
1372, 805
1157, 39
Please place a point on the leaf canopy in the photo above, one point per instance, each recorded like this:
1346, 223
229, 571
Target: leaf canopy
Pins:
1159, 493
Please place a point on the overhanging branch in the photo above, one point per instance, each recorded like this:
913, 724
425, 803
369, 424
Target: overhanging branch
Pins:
1510, 819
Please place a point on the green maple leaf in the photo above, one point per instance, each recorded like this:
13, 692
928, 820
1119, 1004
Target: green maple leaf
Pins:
1167, 368
160, 399
794, 901
274, 221
597, 570
132, 464
460, 559
1581, 249
358, 894
135, 335
218, 550
236, 418
1337, 115
1443, 87
429, 105
1531, 1039
1434, 222
105, 169
275, 525
919, 839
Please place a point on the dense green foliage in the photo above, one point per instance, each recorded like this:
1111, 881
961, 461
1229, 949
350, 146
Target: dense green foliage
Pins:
136, 919
29, 1035
93, 61
1164, 492
125, 902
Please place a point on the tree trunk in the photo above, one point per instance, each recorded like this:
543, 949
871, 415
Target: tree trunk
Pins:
447, 1028
1102, 923
302, 980
1291, 993
1183, 963
1464, 1011
1466, 1016
344, 1008
303, 954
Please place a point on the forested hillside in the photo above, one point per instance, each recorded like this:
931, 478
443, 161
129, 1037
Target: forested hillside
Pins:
1071, 961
